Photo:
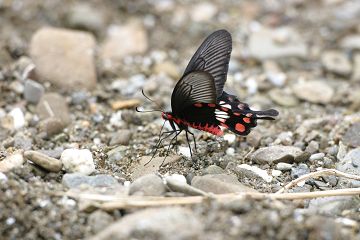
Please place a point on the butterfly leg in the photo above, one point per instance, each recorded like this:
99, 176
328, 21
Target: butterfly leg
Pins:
188, 141
168, 150
194, 140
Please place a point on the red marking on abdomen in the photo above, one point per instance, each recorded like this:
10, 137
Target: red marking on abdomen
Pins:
213, 129
246, 119
239, 127
211, 104
224, 109
198, 105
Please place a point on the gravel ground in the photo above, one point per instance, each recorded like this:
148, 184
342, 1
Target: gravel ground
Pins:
71, 74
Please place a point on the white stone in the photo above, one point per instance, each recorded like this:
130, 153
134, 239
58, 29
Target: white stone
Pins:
185, 151
230, 138
230, 151
176, 177
76, 160
18, 118
276, 173
257, 171
12, 161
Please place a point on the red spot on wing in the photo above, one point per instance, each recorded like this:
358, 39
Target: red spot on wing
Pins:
198, 105
211, 104
246, 119
224, 109
239, 127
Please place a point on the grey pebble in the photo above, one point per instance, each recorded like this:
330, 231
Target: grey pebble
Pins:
332, 205
33, 91
213, 169
300, 170
312, 147
316, 156
74, 180
148, 185
54, 105
44, 161
350, 164
276, 154
122, 137
352, 135
99, 220
283, 166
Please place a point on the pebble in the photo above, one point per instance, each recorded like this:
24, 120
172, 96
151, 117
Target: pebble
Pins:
33, 91
333, 206
336, 62
316, 157
285, 138
75, 180
203, 12
162, 223
133, 39
230, 138
178, 183
86, 16
13, 161
314, 91
264, 44
245, 170
44, 161
350, 164
148, 185
53, 105
76, 160
23, 142
276, 173
65, 58
299, 170
276, 154
312, 147
219, 184
352, 135
17, 118
213, 169
283, 166
124, 104
351, 42
51, 126
122, 137
283, 98
99, 220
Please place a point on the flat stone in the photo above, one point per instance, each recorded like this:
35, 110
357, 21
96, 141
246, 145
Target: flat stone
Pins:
148, 185
245, 170
317, 156
13, 161
271, 44
79, 161
33, 91
282, 98
65, 58
121, 137
44, 161
283, 166
314, 91
333, 205
75, 180
219, 184
53, 105
133, 39
350, 164
276, 154
352, 135
155, 223
336, 62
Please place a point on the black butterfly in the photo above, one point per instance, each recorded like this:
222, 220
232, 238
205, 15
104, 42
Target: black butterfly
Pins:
198, 100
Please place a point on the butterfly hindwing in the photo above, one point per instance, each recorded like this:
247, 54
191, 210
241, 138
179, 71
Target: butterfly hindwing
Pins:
213, 57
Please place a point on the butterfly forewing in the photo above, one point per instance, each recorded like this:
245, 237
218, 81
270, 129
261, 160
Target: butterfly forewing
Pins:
213, 57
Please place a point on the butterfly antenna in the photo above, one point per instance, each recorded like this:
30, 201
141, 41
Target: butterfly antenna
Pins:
143, 93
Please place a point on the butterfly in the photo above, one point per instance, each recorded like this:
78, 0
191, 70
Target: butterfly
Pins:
198, 100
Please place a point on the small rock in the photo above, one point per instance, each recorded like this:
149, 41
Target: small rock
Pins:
33, 91
300, 170
86, 16
336, 62
276, 173
245, 170
75, 180
133, 39
219, 184
148, 185
283, 98
122, 137
314, 91
230, 138
155, 223
276, 154
316, 157
178, 183
265, 44
213, 169
18, 118
99, 220
53, 105
312, 147
352, 135
13, 161
283, 166
65, 58
203, 12
350, 164
332, 205
184, 151
285, 138
51, 126
76, 160
44, 161
351, 42
123, 104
